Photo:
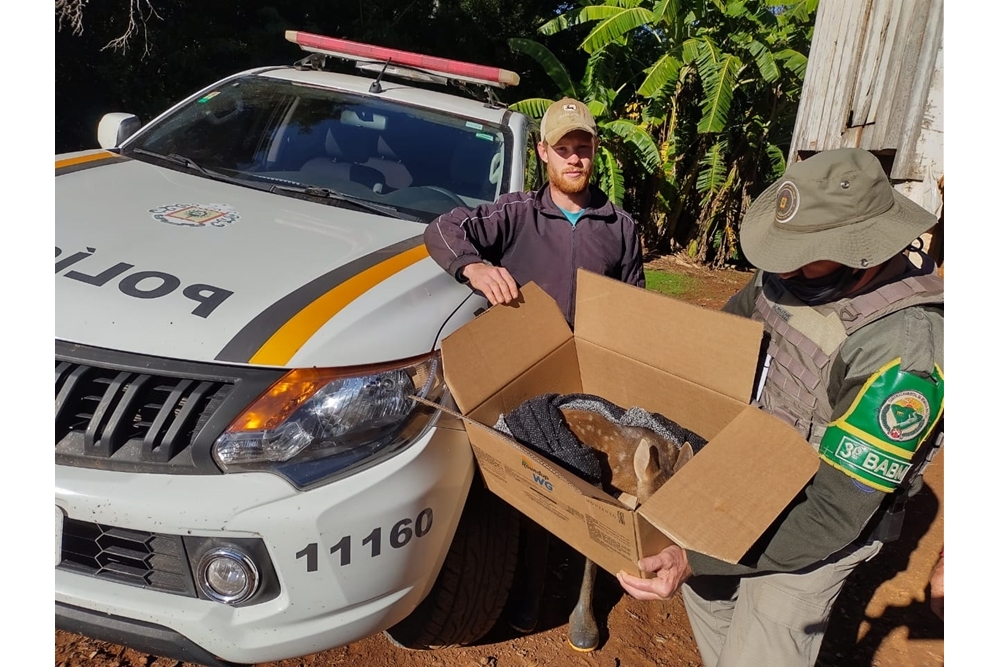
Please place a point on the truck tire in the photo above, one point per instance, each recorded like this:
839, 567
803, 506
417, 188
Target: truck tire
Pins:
471, 590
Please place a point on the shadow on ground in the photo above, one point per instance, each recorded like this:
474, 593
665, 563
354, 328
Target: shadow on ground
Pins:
841, 647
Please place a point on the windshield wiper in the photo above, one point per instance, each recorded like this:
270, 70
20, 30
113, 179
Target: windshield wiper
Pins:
327, 193
308, 190
190, 164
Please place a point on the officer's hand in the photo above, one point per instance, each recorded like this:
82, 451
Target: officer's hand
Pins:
671, 568
495, 282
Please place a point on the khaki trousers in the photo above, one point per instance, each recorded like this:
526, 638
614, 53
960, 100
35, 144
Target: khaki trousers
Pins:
772, 620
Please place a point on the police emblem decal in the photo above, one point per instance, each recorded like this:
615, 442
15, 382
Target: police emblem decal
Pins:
195, 215
787, 203
903, 416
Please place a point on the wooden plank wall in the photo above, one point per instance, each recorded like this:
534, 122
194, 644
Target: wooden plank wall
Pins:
868, 81
875, 81
924, 115
832, 69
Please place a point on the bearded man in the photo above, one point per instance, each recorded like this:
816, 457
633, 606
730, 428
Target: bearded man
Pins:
545, 235
542, 236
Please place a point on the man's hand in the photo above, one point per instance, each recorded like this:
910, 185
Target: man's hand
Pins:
496, 284
671, 568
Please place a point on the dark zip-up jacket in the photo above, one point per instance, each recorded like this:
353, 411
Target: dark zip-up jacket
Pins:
526, 233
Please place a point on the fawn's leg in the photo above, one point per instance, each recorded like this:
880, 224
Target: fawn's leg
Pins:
583, 634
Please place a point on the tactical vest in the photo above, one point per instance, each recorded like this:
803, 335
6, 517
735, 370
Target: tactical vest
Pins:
804, 341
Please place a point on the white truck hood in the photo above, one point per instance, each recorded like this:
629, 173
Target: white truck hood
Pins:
158, 262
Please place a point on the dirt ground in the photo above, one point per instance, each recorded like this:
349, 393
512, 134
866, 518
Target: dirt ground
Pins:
881, 620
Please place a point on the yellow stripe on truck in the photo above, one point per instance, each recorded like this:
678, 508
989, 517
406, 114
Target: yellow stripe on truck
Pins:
80, 159
289, 339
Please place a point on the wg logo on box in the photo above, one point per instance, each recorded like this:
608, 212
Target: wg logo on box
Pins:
538, 477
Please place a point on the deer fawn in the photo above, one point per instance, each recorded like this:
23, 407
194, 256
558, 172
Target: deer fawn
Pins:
634, 460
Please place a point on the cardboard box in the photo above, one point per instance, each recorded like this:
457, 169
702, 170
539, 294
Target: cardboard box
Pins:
634, 348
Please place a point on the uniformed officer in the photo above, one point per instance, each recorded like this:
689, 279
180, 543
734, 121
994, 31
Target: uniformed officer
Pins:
855, 319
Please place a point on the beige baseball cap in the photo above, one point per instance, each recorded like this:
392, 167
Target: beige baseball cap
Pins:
565, 116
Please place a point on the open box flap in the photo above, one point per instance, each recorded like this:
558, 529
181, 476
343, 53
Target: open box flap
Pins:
487, 353
724, 498
714, 349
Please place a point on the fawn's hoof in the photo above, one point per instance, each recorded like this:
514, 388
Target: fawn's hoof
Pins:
583, 644
583, 634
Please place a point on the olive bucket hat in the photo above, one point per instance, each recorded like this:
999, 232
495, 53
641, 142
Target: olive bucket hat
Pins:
836, 205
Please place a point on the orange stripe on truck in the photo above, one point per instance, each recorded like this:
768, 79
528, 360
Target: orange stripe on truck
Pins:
80, 159
289, 339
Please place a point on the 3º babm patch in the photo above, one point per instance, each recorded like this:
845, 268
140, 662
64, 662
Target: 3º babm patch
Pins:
874, 441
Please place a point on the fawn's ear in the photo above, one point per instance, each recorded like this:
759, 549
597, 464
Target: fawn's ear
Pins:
683, 456
646, 460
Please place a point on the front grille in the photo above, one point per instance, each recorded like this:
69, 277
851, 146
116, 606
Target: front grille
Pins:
107, 409
119, 411
132, 557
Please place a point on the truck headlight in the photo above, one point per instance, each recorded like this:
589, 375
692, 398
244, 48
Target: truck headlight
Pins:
314, 424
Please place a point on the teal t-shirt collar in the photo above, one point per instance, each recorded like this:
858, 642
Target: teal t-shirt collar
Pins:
572, 217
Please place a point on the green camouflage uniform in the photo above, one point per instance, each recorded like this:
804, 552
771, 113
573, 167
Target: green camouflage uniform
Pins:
862, 380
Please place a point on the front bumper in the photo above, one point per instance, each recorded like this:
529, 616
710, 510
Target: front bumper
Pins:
146, 637
348, 558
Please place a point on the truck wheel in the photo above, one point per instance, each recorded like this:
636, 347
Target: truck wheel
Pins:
471, 590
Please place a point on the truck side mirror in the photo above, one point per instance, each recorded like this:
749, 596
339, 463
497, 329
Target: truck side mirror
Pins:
115, 128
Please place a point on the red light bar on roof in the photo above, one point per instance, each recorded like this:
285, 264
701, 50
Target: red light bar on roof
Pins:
342, 48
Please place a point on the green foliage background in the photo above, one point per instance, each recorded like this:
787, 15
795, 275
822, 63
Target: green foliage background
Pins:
194, 43
695, 99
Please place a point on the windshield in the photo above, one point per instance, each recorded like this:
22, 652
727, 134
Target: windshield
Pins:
267, 133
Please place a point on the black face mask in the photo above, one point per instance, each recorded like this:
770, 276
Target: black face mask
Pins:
813, 291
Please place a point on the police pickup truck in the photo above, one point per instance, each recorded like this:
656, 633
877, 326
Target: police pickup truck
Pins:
244, 313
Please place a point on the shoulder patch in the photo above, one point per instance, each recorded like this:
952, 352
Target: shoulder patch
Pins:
892, 415
904, 415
